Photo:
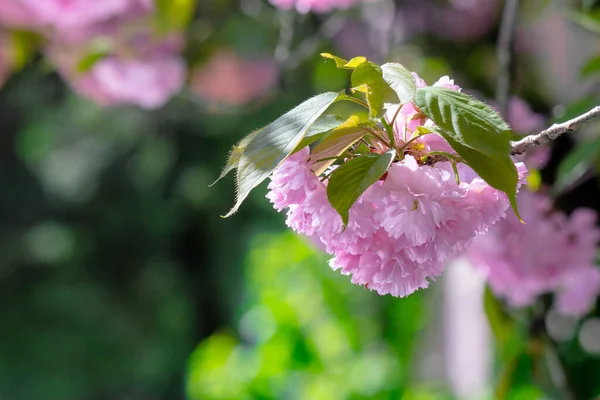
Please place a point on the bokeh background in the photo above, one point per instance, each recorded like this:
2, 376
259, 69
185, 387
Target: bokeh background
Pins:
119, 280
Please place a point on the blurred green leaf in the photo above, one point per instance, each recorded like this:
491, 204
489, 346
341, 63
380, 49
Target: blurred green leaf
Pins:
174, 14
575, 165
350, 180
586, 20
89, 60
592, 66
24, 47
505, 329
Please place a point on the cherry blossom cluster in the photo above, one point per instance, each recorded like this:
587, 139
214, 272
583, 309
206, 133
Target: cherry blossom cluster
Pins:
135, 65
551, 253
404, 227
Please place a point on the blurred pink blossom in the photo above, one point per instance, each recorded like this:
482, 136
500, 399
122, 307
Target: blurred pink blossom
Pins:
460, 20
14, 13
66, 15
552, 252
319, 6
228, 79
144, 71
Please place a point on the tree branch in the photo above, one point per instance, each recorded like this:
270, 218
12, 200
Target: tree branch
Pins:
504, 53
552, 133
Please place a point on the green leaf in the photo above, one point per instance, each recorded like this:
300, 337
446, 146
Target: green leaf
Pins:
505, 330
589, 21
400, 80
344, 64
24, 46
89, 60
274, 143
498, 172
467, 120
350, 180
592, 66
174, 14
476, 132
322, 126
235, 155
576, 164
367, 78
335, 144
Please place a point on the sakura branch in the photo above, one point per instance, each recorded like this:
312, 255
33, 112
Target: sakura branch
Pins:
554, 132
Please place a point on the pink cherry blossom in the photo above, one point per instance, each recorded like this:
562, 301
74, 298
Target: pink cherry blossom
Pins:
319, 6
401, 230
521, 118
66, 15
147, 74
14, 13
405, 226
552, 252
228, 79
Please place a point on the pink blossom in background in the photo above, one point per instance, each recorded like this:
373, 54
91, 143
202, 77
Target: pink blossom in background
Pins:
522, 119
6, 57
148, 83
319, 6
14, 13
66, 15
403, 228
228, 79
462, 20
552, 252
147, 73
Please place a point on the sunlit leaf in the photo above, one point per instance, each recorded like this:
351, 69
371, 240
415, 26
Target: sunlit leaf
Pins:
367, 78
400, 80
350, 180
318, 130
336, 143
344, 64
235, 155
274, 143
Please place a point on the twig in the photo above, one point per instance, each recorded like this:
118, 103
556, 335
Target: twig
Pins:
505, 53
552, 133
308, 47
286, 36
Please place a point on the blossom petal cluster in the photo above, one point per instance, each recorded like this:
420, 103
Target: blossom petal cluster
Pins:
552, 253
319, 6
148, 77
135, 65
405, 226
